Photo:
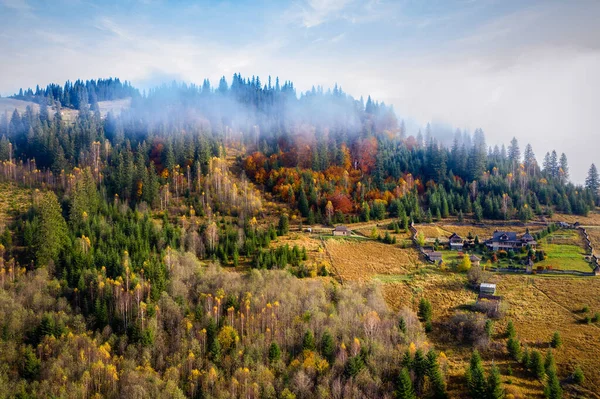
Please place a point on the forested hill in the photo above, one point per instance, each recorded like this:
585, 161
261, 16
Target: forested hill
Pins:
79, 94
351, 155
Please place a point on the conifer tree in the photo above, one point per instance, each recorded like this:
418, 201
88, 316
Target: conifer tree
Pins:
494, 384
404, 386
476, 377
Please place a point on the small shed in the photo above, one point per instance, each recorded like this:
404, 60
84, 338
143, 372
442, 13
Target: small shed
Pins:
341, 231
435, 256
487, 289
475, 260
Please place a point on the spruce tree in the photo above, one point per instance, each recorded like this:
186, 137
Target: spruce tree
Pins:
476, 377
328, 347
308, 342
274, 353
553, 389
404, 386
592, 182
494, 384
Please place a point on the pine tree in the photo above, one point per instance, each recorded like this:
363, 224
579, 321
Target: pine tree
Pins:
494, 384
592, 182
514, 347
537, 364
404, 386
308, 342
425, 311
564, 166
52, 233
476, 377
328, 347
553, 389
284, 225
514, 153
303, 206
274, 353
556, 341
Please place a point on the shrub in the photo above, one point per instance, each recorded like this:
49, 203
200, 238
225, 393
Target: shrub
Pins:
578, 377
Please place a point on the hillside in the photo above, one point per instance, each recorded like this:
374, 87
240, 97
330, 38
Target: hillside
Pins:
185, 248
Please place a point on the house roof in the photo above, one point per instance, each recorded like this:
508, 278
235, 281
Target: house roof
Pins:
455, 237
341, 228
487, 286
527, 237
504, 236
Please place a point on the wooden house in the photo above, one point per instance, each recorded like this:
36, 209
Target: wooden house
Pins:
341, 231
456, 242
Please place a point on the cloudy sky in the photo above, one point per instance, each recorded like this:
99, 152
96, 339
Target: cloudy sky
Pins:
529, 69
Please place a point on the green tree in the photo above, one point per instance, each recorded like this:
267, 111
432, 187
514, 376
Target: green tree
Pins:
553, 389
284, 224
510, 329
404, 386
308, 342
51, 236
494, 384
274, 353
328, 347
592, 182
578, 376
476, 377
425, 310
303, 203
556, 341
514, 348
537, 364
30, 366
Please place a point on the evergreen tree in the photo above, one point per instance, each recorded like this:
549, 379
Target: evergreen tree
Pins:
476, 377
592, 182
494, 384
556, 341
564, 167
308, 342
274, 353
553, 389
52, 233
303, 206
328, 347
284, 225
404, 386
537, 364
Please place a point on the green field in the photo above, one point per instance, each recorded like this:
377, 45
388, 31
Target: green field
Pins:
564, 250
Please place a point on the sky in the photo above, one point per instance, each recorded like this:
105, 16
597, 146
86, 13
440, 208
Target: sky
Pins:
528, 69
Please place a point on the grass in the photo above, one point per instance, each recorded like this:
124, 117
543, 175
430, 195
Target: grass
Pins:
564, 250
392, 278
360, 260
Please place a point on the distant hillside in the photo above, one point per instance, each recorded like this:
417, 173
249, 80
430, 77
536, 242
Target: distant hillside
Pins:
8, 105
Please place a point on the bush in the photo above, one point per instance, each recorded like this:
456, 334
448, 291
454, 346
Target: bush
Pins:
578, 377
468, 328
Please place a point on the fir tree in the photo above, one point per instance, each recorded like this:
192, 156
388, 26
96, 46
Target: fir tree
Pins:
404, 386
494, 384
